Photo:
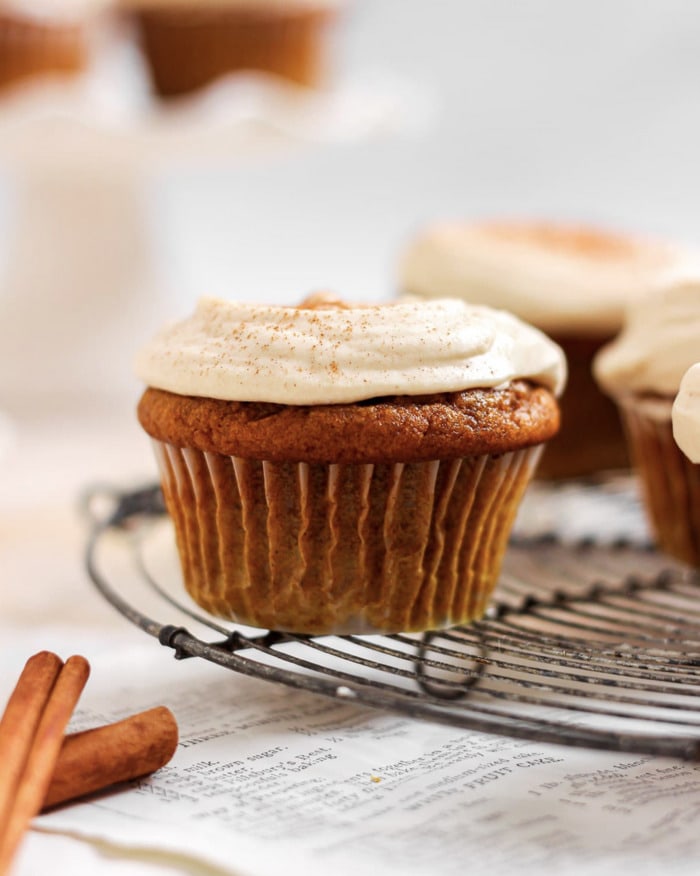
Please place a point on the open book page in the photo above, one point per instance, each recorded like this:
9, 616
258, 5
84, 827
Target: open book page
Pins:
268, 778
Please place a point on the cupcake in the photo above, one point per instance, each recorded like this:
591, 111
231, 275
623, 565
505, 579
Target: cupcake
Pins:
334, 469
643, 370
571, 282
189, 44
40, 39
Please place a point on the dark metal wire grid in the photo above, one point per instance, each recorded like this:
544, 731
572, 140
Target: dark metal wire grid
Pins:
576, 650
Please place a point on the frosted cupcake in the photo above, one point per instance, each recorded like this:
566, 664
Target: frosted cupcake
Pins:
347, 470
643, 370
571, 282
189, 44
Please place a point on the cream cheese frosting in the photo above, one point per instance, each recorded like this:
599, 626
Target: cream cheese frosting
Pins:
686, 414
560, 278
660, 341
337, 354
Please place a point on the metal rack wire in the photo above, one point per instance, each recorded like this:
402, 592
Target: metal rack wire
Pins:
585, 645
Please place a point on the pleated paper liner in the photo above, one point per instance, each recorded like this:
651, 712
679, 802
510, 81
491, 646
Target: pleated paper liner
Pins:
321, 549
670, 481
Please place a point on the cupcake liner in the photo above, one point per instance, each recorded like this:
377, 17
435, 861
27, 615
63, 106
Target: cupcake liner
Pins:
29, 48
188, 49
342, 548
670, 481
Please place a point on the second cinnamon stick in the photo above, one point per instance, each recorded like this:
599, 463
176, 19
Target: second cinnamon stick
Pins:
95, 759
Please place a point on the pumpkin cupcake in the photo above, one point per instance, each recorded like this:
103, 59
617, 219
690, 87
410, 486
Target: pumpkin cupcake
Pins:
334, 469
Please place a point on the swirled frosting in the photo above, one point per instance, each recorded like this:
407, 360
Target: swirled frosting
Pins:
559, 278
659, 342
686, 414
335, 354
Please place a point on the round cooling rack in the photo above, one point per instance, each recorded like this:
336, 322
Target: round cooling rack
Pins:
585, 644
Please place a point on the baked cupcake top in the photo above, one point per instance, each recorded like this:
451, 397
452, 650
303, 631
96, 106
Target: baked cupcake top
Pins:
659, 342
561, 278
325, 352
686, 414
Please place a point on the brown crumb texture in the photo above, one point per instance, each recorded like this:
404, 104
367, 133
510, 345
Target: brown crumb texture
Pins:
392, 429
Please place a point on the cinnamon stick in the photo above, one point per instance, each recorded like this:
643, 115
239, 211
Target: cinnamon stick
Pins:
44, 753
95, 759
19, 724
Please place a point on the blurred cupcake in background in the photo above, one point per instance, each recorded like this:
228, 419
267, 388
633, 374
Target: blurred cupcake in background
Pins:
571, 282
189, 44
651, 373
42, 39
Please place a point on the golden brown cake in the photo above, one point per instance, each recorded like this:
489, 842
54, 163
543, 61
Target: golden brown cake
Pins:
189, 44
39, 46
573, 283
647, 370
349, 507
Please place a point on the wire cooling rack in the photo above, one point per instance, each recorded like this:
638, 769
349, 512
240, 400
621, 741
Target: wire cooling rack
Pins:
586, 645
